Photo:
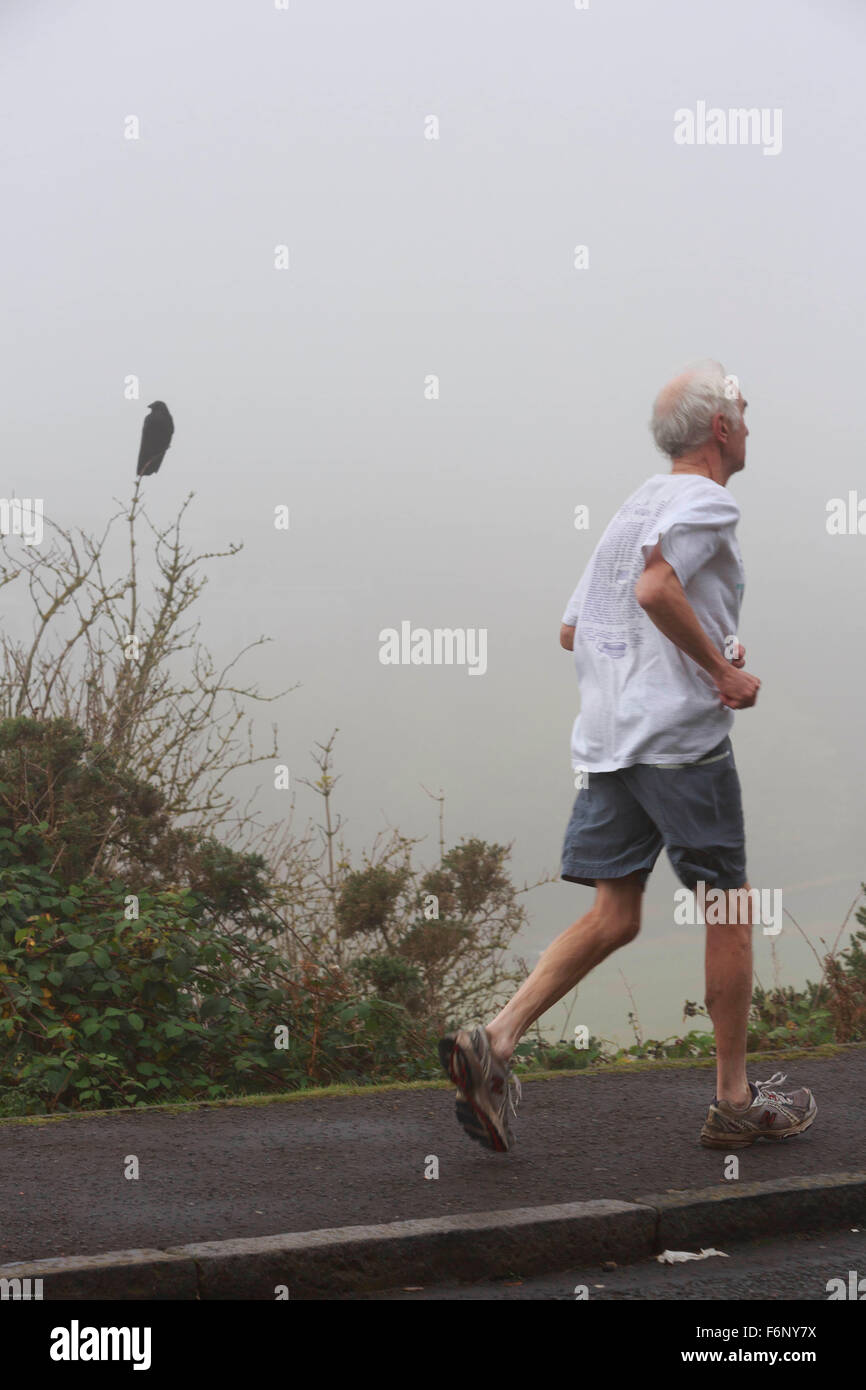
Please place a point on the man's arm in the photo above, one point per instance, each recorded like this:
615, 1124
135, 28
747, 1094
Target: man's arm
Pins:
566, 637
662, 597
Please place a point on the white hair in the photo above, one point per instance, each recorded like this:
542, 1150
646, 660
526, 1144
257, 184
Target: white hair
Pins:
682, 417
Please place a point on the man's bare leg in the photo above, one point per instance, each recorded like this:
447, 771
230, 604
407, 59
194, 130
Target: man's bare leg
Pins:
728, 998
613, 920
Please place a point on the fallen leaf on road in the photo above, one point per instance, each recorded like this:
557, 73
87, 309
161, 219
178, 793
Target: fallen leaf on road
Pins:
678, 1257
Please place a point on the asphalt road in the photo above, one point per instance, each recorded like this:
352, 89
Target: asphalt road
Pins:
217, 1174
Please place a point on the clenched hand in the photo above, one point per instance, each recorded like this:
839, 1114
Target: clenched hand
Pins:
738, 690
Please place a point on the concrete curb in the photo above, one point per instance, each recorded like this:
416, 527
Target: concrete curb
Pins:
317, 1264
523, 1241
740, 1211
124, 1274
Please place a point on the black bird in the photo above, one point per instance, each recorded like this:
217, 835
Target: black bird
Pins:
156, 433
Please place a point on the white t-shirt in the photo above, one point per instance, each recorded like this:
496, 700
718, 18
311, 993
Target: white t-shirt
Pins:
642, 699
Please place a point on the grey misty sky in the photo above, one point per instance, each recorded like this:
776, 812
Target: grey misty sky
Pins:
455, 257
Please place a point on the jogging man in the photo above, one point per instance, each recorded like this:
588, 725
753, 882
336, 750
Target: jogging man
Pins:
653, 626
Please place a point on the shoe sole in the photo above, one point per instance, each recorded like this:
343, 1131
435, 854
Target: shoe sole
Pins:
712, 1139
457, 1067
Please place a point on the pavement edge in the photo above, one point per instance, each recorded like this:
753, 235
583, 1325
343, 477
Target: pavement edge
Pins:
521, 1241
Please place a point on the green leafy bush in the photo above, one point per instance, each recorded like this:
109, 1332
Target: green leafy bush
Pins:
99, 1007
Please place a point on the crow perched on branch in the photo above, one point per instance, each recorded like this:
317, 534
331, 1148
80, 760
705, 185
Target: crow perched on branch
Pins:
156, 435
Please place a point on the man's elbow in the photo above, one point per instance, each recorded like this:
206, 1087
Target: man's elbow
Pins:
648, 591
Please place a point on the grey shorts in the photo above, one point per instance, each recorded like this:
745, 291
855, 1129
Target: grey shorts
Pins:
621, 820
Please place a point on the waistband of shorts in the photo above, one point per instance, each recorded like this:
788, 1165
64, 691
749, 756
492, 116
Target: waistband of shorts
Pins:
713, 757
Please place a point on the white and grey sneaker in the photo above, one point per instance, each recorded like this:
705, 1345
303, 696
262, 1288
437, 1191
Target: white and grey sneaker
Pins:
771, 1114
489, 1088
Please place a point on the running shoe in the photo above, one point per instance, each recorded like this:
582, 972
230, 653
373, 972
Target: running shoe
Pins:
771, 1114
489, 1089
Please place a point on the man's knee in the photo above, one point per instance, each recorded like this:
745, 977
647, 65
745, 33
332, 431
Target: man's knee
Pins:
624, 929
618, 909
733, 907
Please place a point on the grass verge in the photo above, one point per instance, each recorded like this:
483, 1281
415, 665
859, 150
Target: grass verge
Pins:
824, 1051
